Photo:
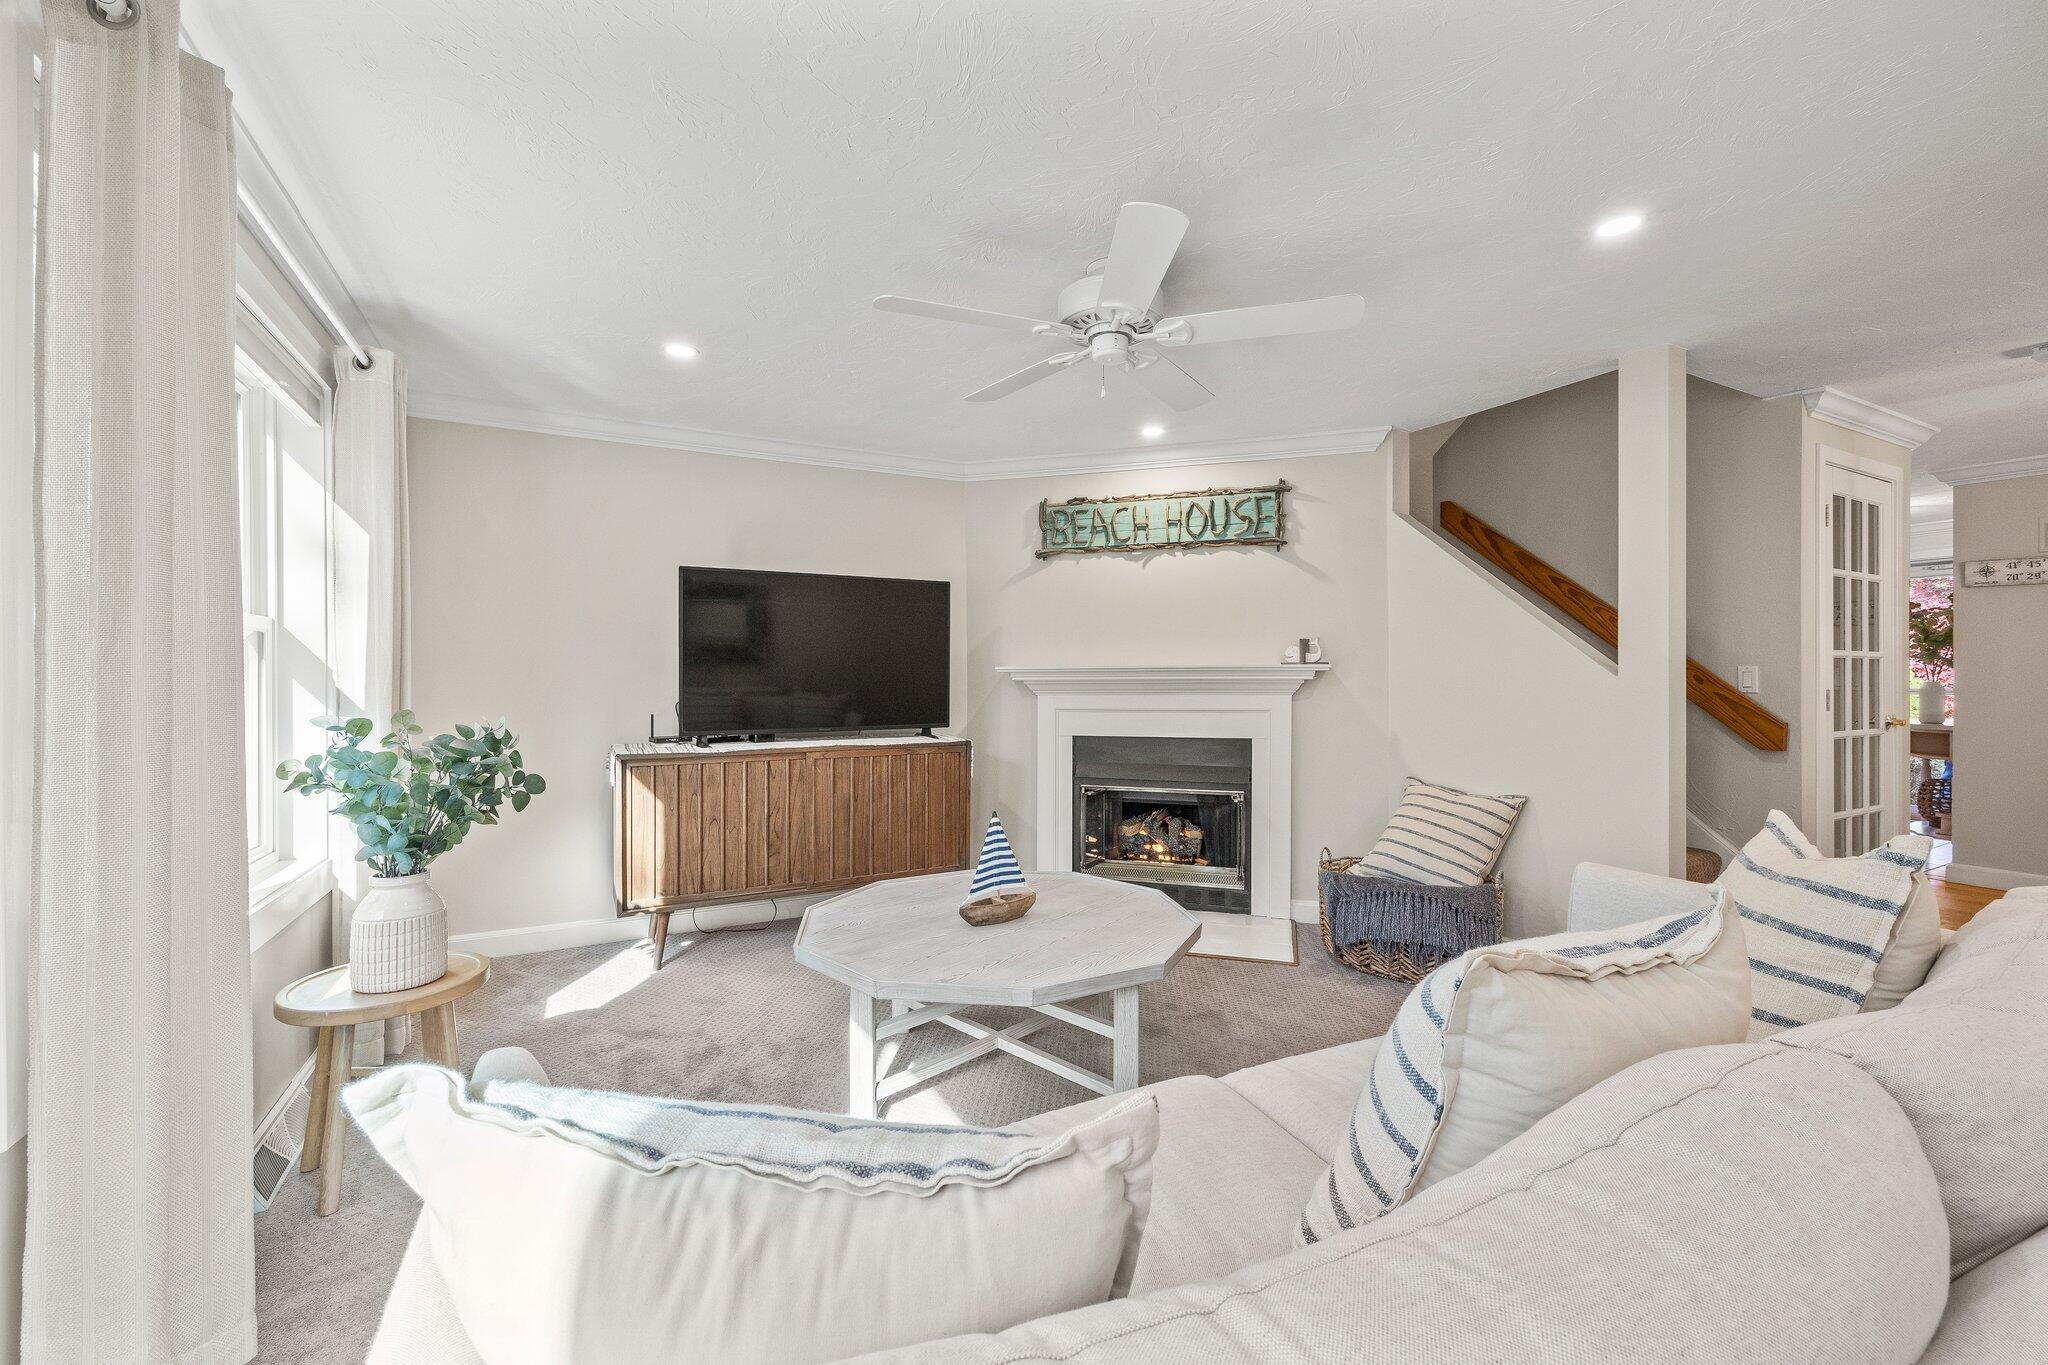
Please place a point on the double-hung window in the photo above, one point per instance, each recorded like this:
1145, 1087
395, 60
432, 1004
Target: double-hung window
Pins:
282, 460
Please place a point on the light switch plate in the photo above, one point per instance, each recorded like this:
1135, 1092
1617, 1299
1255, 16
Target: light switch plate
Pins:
1746, 678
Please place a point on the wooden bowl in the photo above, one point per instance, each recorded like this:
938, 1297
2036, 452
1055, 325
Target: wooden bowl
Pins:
1000, 908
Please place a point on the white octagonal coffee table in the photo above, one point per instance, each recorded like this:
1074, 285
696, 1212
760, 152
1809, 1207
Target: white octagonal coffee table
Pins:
904, 941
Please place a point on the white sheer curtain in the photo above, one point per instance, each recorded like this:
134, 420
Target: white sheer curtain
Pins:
372, 567
139, 1238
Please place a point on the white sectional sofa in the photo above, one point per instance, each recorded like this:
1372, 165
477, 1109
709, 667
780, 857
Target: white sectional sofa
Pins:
1870, 1190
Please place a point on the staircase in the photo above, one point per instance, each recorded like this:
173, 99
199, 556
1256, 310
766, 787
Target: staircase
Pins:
1704, 688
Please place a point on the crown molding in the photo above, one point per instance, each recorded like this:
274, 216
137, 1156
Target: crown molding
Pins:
1990, 471
475, 412
1857, 414
444, 408
1355, 441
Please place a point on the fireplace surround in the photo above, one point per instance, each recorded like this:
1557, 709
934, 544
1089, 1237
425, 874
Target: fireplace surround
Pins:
1253, 702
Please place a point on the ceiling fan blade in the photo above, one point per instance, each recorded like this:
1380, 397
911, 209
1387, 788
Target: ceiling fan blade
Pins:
1146, 237
1170, 383
953, 312
1267, 320
1030, 374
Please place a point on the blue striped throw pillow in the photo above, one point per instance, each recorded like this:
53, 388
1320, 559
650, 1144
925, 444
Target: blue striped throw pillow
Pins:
1440, 836
1817, 926
1490, 1042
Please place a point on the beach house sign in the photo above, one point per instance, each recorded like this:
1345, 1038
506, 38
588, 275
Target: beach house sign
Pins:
1164, 521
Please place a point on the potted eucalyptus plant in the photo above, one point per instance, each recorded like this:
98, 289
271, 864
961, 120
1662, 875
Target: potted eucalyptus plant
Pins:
410, 798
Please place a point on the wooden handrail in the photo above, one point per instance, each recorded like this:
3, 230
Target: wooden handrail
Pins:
1704, 688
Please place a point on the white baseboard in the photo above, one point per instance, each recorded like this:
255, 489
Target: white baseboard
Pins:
541, 938
581, 933
1700, 835
1997, 878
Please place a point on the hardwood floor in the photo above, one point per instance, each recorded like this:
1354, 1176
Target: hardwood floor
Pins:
1960, 900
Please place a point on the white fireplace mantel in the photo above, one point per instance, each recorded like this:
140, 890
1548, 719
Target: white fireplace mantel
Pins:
1283, 678
1220, 701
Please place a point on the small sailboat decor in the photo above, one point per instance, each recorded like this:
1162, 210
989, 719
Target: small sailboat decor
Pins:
997, 893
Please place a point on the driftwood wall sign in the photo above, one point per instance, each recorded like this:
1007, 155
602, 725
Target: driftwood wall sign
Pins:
1164, 521
1999, 573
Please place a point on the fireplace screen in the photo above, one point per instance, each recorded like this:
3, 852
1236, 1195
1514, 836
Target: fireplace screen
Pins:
1169, 836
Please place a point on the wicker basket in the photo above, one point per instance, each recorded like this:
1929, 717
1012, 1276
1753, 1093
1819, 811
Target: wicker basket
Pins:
1395, 961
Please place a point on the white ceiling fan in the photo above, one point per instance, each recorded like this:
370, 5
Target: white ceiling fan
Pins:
1111, 315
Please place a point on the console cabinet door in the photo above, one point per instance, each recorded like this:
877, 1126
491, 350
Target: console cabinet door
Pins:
699, 830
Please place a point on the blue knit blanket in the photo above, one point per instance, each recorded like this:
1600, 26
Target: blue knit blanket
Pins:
1387, 912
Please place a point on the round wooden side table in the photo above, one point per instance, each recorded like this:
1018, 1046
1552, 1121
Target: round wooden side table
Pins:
324, 1003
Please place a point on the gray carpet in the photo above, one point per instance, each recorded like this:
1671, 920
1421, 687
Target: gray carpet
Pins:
732, 1017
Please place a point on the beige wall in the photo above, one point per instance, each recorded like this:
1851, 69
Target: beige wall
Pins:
1194, 607
544, 591
1743, 597
302, 947
2001, 739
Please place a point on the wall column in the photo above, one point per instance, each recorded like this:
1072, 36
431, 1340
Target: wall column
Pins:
1651, 560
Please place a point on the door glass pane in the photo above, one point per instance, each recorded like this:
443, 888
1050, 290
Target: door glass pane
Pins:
1873, 693
1856, 536
1842, 773
1856, 613
1841, 709
1841, 616
1855, 775
1870, 538
1841, 532
1841, 838
1873, 637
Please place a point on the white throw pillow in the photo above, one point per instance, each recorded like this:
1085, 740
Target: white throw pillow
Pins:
1819, 927
1440, 836
1491, 1042
1916, 942
571, 1225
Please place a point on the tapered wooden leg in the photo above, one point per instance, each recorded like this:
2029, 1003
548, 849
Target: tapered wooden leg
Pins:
1123, 1046
316, 1112
343, 1047
657, 935
438, 1040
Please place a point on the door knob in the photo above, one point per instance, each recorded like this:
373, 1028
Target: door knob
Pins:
1894, 722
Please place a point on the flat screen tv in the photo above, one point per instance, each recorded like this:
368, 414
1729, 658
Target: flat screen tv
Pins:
805, 653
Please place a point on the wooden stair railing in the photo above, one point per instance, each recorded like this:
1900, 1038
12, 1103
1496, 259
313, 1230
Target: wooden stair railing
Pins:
1704, 688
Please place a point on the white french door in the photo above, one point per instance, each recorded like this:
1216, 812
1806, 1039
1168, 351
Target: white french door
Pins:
1863, 739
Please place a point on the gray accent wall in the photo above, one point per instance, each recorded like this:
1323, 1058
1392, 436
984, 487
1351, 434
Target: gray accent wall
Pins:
1742, 596
2001, 739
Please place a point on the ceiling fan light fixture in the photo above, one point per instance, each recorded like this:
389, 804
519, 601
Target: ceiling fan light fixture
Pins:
1152, 431
679, 350
1621, 225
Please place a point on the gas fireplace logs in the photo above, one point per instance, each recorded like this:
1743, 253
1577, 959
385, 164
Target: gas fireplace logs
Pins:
1160, 837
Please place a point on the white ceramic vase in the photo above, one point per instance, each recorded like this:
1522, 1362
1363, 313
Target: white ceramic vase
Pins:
399, 937
1933, 702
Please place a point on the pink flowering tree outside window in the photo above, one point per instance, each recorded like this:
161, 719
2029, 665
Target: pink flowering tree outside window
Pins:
1931, 635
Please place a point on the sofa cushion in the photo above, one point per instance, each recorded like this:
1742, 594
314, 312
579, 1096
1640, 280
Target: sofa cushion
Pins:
1226, 1180
1492, 1041
1966, 1057
1311, 1094
1997, 1312
582, 1226
1817, 926
1668, 1214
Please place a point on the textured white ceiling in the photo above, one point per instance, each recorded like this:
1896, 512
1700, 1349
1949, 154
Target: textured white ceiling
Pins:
526, 197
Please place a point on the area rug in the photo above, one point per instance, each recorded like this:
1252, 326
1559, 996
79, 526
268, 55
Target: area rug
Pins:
732, 1017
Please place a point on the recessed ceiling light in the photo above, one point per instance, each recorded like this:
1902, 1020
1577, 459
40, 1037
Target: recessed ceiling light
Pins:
1152, 431
679, 350
1619, 226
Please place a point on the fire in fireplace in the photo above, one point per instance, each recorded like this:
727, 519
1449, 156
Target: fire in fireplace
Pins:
1166, 812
